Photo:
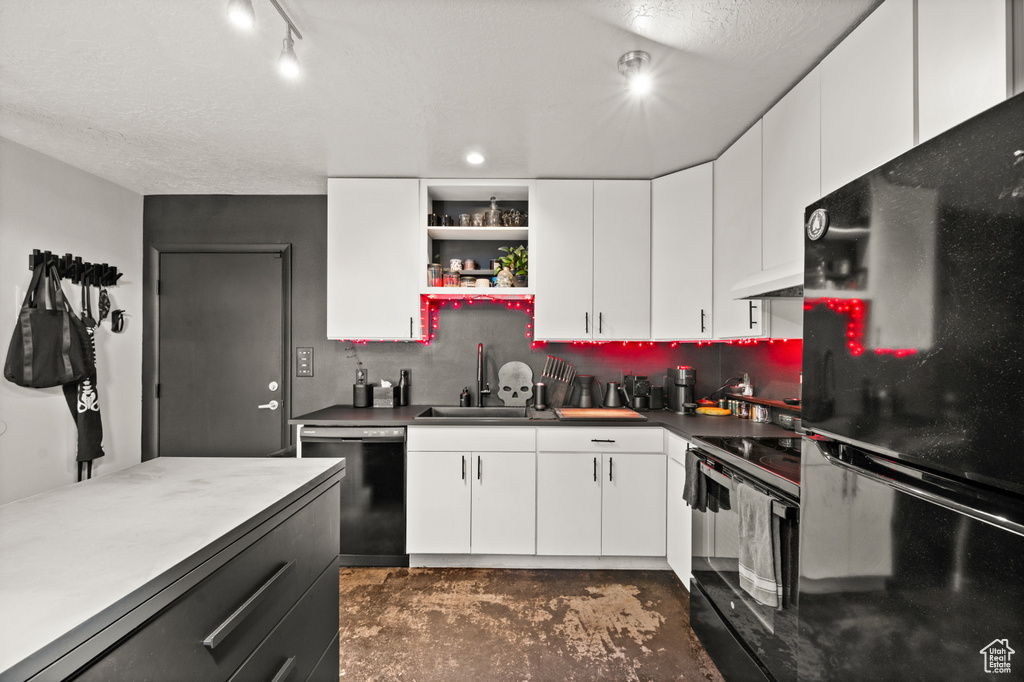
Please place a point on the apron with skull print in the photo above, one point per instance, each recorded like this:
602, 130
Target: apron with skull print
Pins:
82, 397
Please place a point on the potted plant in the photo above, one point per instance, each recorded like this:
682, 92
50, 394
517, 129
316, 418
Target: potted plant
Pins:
515, 259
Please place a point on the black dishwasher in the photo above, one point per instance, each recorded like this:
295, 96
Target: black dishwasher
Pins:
372, 490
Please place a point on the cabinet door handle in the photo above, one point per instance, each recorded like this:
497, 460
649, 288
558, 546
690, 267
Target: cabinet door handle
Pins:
586, 323
284, 671
410, 327
595, 469
600, 323
479, 467
601, 440
751, 312
702, 327
463, 467
609, 468
243, 611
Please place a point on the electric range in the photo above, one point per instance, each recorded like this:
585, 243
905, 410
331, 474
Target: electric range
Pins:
775, 461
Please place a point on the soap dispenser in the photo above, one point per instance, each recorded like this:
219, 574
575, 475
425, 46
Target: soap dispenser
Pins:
464, 397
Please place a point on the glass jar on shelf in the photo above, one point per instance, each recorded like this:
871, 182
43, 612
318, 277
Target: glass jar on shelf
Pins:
451, 278
435, 277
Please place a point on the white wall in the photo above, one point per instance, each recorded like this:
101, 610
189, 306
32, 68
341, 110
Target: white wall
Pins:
48, 205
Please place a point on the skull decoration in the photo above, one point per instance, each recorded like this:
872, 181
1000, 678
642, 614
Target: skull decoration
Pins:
515, 383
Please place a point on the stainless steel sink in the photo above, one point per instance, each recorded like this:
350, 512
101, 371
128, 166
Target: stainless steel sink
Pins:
475, 413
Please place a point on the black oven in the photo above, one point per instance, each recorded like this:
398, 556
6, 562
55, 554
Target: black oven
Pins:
747, 639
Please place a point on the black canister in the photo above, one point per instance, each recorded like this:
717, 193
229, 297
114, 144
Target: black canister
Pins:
362, 395
540, 397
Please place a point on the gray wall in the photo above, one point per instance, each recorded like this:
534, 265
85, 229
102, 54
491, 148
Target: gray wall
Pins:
439, 370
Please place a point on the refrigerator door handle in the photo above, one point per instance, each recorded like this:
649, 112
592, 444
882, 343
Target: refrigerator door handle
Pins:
998, 510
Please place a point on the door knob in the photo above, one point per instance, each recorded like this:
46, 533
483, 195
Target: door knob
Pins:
272, 405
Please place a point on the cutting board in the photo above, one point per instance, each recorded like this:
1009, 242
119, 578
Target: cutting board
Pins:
611, 413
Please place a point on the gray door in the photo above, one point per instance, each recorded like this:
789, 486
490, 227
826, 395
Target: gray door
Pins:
220, 352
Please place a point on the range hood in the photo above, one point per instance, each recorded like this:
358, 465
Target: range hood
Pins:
783, 281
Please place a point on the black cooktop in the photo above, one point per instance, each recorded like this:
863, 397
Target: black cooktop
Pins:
779, 456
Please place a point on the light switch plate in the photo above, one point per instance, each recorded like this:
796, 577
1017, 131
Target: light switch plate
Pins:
303, 362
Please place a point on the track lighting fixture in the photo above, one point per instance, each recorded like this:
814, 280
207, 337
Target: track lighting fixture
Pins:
288, 63
635, 67
242, 15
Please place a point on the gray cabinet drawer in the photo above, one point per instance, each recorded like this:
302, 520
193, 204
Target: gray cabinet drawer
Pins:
233, 609
329, 667
294, 648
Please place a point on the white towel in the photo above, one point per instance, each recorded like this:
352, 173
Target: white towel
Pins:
760, 559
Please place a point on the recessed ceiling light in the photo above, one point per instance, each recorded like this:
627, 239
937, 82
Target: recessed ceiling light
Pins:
241, 14
475, 158
635, 67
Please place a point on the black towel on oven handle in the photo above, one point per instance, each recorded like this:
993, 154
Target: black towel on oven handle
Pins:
695, 488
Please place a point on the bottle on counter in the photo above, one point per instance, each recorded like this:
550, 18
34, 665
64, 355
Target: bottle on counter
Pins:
748, 386
403, 387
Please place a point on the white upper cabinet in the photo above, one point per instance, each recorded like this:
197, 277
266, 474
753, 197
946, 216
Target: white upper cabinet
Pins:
737, 240
791, 180
622, 259
682, 227
867, 95
562, 269
791, 171
366, 218
963, 59
593, 259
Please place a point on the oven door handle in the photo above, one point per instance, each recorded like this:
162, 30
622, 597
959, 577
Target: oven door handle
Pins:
779, 508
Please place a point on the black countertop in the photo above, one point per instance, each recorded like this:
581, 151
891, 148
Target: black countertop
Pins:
687, 426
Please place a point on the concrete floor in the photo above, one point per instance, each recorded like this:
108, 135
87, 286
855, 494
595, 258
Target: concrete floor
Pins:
434, 625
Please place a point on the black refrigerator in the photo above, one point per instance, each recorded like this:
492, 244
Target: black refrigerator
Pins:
912, 488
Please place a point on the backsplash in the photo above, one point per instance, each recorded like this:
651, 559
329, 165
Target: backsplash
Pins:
443, 368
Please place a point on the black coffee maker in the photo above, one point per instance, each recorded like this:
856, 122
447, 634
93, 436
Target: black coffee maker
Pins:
680, 383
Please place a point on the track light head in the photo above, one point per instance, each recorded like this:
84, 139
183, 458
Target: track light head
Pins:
288, 63
241, 14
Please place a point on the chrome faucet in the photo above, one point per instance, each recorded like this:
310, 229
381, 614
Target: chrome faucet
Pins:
482, 389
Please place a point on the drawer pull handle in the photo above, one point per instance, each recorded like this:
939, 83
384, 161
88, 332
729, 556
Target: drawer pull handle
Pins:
285, 670
236, 618
601, 440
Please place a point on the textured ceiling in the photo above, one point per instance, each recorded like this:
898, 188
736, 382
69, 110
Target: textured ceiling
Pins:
167, 98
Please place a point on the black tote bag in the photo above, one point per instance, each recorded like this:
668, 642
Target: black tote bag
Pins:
49, 346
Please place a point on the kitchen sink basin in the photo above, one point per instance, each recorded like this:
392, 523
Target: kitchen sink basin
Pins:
475, 413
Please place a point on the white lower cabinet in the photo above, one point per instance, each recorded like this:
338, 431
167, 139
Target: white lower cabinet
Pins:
679, 527
503, 508
633, 505
608, 499
438, 502
471, 501
569, 504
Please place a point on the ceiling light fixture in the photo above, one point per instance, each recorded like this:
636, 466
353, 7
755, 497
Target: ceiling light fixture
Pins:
635, 66
288, 63
475, 158
241, 14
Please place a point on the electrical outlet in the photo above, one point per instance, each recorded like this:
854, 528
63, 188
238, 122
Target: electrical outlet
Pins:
303, 362
361, 376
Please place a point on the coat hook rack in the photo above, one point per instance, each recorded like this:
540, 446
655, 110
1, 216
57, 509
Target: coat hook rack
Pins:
76, 270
